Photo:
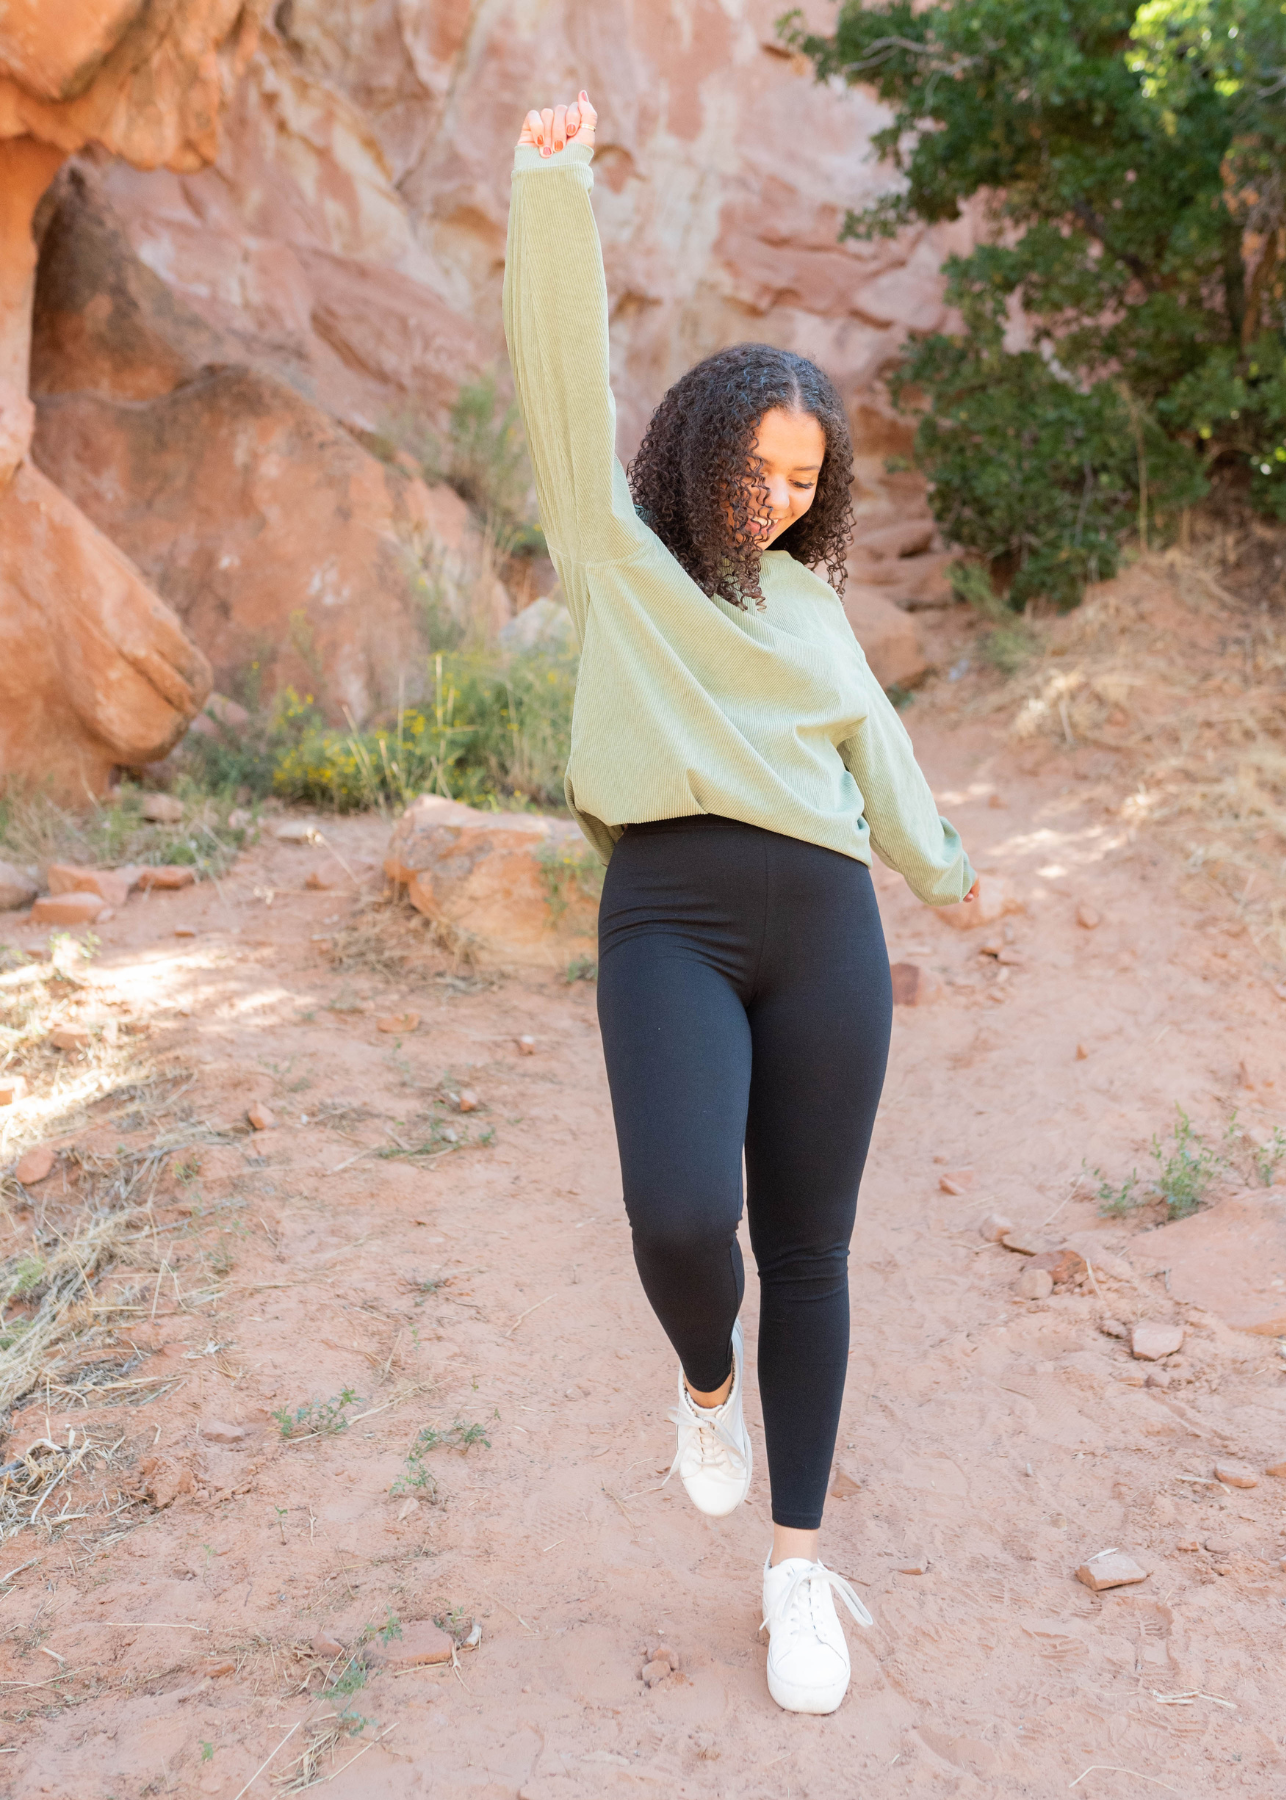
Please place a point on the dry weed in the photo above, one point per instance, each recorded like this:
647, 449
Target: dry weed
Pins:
385, 937
1183, 685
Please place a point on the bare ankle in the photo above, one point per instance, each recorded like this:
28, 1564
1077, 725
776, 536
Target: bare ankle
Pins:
715, 1398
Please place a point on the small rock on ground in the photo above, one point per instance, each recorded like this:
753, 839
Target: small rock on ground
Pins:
1236, 1474
162, 809
1035, 1284
1151, 1339
420, 1643
995, 1227
956, 1181
165, 875
1111, 1570
219, 1431
16, 887
35, 1165
68, 909
913, 986
261, 1117
1087, 916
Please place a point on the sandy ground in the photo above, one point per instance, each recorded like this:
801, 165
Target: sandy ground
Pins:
183, 1643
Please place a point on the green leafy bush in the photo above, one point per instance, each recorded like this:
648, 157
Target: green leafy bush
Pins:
497, 732
1128, 158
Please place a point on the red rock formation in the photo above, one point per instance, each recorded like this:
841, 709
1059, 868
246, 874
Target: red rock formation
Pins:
95, 669
278, 540
356, 216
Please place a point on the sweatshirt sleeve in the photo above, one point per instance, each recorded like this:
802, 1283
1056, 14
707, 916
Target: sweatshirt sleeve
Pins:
555, 311
906, 830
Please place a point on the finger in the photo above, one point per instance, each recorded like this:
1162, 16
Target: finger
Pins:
588, 117
573, 120
546, 129
560, 128
531, 129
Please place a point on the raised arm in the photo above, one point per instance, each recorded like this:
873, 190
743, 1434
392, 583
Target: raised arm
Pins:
555, 309
906, 830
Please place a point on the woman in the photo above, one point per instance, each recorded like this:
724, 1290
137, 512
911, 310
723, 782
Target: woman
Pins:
734, 762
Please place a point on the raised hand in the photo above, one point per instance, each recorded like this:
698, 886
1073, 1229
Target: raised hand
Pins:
554, 127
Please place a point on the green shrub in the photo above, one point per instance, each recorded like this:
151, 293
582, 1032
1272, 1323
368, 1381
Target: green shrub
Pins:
497, 732
1128, 159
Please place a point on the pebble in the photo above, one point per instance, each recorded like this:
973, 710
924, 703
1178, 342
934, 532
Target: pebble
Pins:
1113, 1328
1187, 1544
1064, 1265
111, 885
956, 1181
1151, 1339
1236, 1474
297, 831
401, 1023
35, 1165
69, 1037
317, 882
1110, 1570
1157, 1378
326, 1645
1277, 1468
843, 1486
469, 1101
1035, 1284
915, 1562
994, 1228
162, 809
653, 1672
1027, 1243
526, 1046
218, 1431
17, 887
1087, 917
68, 909
912, 985
12, 1089
218, 1665
261, 1117
420, 1643
661, 1652
185, 931
165, 875
1081, 1053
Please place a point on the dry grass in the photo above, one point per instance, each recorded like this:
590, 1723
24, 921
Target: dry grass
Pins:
34, 831
1181, 688
386, 937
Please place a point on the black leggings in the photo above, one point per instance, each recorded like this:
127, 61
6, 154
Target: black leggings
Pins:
744, 998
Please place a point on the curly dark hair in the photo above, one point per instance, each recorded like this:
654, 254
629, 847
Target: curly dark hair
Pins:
695, 467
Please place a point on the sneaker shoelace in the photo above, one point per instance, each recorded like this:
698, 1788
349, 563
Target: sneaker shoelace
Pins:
710, 1436
815, 1576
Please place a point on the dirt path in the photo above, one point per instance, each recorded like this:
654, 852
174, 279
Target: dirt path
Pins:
991, 1442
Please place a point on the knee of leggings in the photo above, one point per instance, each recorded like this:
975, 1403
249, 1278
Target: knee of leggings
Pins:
674, 1232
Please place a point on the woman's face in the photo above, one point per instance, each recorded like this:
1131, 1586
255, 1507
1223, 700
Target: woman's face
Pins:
791, 447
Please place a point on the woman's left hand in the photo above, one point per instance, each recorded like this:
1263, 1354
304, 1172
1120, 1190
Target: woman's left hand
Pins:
552, 128
974, 890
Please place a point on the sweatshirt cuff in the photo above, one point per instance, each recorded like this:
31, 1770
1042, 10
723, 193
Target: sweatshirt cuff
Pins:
526, 157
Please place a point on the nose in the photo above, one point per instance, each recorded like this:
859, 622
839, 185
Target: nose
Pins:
778, 495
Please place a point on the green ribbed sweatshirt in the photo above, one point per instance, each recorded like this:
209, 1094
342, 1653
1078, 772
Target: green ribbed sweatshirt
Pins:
687, 704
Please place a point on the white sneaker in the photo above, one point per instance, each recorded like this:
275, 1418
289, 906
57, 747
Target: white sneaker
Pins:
713, 1456
808, 1666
